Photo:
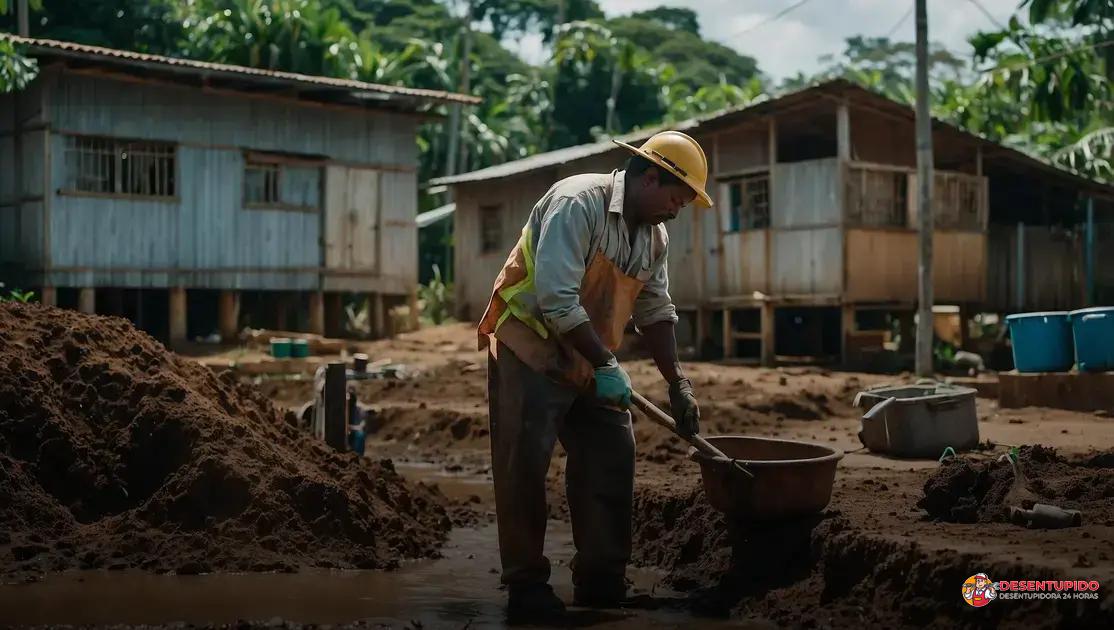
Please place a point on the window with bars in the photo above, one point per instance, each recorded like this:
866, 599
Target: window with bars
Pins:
278, 182
749, 200
111, 166
491, 229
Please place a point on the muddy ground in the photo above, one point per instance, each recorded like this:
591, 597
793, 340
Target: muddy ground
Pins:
881, 553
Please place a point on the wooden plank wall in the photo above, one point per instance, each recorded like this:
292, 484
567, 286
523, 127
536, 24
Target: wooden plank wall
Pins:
882, 266
180, 114
206, 237
1053, 275
475, 272
22, 206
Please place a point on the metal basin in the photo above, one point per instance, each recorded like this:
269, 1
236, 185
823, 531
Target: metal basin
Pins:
791, 478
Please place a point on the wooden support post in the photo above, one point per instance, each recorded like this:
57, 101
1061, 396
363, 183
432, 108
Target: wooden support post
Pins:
336, 417
282, 304
964, 327
906, 330
379, 316
768, 333
847, 327
228, 315
333, 314
843, 132
701, 332
317, 312
48, 296
177, 308
728, 340
412, 301
87, 300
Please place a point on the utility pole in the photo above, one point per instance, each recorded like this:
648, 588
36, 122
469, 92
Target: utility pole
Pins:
24, 19
924, 199
455, 110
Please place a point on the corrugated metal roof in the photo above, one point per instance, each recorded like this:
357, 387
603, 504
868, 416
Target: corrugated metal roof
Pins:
839, 88
112, 56
426, 219
556, 157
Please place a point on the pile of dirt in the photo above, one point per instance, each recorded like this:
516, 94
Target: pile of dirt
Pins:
968, 491
842, 568
117, 453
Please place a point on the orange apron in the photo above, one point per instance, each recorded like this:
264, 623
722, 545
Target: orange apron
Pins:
606, 293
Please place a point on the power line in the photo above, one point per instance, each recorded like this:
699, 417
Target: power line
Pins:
1064, 53
772, 18
988, 15
905, 17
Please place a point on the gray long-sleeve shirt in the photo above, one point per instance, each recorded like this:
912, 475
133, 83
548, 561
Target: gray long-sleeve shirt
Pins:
568, 225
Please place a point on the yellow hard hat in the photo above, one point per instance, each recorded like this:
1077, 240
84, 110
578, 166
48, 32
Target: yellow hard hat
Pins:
680, 155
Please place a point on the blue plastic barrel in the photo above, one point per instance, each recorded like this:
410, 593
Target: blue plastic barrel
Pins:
1042, 342
1093, 329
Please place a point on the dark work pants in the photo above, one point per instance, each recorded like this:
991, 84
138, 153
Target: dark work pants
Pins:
529, 413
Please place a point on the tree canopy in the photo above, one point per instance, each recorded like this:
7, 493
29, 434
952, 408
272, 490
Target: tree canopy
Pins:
1042, 82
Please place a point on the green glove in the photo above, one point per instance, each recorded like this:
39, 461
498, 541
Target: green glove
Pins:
613, 384
682, 402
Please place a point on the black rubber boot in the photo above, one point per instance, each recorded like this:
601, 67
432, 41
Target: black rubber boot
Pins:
599, 592
528, 603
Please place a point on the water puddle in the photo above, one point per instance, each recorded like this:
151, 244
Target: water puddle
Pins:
457, 590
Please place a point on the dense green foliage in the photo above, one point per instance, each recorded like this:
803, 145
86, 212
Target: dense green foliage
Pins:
1042, 82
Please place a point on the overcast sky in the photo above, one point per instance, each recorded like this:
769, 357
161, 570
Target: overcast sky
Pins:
793, 42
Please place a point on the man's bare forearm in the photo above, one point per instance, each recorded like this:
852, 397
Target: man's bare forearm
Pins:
662, 342
588, 344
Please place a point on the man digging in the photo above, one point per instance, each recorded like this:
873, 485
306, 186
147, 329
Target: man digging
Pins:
592, 255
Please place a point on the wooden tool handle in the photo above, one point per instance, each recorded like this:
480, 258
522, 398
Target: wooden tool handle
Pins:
660, 417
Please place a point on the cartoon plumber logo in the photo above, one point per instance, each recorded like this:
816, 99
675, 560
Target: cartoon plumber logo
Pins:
979, 590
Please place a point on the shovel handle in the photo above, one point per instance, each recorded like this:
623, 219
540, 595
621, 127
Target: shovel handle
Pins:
651, 411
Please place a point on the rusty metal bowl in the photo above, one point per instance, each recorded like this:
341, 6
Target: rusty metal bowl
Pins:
791, 478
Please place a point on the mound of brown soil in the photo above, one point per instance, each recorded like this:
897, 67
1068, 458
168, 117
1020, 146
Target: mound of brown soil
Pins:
849, 567
966, 491
116, 453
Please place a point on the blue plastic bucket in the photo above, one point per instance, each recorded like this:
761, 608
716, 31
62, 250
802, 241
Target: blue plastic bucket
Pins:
1093, 329
299, 348
1042, 342
280, 347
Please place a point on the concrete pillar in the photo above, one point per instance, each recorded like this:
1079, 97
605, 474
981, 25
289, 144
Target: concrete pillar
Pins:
228, 315
177, 328
768, 333
48, 296
87, 300
317, 313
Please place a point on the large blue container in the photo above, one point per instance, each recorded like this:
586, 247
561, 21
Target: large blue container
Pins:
1041, 341
1094, 338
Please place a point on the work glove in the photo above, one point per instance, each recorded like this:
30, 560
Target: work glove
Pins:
682, 402
613, 384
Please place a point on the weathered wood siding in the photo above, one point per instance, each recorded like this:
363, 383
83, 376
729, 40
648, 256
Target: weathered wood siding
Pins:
87, 105
22, 204
806, 194
882, 266
205, 236
1052, 273
475, 271
204, 239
